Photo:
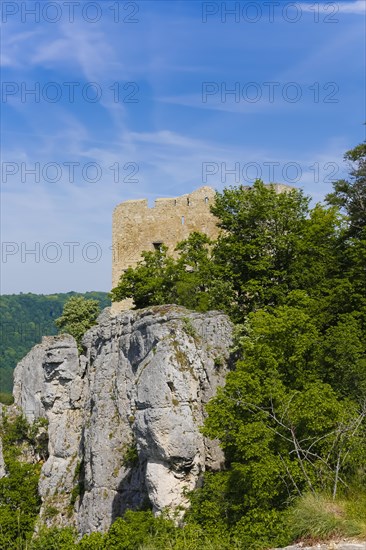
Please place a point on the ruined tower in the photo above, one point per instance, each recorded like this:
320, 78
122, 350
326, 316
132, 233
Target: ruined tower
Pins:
137, 228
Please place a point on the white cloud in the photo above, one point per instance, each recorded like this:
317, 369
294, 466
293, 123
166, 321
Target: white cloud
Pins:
358, 7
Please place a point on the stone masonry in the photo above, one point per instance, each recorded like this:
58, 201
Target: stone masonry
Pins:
138, 228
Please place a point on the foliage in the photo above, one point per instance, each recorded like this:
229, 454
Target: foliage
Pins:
159, 279
78, 316
139, 531
19, 499
291, 416
271, 244
312, 517
94, 541
150, 283
130, 456
258, 247
54, 539
351, 195
25, 318
285, 430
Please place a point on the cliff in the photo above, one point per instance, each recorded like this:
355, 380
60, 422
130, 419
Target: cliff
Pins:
124, 417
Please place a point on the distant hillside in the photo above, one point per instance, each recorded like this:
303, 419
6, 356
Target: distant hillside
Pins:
24, 319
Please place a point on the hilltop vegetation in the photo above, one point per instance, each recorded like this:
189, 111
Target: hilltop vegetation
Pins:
291, 417
25, 318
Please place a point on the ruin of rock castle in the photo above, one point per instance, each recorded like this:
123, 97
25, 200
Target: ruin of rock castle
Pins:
138, 228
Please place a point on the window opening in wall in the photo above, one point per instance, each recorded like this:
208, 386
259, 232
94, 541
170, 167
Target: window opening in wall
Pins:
182, 220
157, 245
188, 202
206, 200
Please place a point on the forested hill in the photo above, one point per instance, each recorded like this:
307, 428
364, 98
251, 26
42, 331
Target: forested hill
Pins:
24, 319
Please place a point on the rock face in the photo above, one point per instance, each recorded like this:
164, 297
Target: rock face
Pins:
48, 384
124, 418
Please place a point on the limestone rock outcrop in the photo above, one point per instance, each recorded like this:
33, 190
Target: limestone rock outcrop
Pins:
124, 417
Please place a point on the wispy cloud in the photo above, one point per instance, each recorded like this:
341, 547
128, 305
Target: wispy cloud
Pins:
358, 7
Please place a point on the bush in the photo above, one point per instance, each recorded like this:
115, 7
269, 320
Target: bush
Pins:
78, 316
19, 498
54, 539
94, 541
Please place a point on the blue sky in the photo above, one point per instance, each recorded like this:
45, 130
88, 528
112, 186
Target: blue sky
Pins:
132, 100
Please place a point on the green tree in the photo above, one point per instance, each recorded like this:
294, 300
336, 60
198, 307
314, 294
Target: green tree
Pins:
271, 243
78, 316
150, 283
161, 279
291, 416
350, 195
196, 272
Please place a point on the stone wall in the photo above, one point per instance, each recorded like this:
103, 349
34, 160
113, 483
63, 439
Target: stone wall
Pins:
137, 228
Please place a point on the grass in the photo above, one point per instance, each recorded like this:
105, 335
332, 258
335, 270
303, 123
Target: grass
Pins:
319, 517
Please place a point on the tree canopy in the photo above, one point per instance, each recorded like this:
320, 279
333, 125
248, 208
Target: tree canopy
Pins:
78, 316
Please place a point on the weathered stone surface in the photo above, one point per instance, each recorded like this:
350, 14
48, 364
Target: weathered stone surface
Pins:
124, 418
48, 384
136, 227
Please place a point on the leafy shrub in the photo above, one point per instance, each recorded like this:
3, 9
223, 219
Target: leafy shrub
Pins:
131, 456
54, 539
78, 316
19, 498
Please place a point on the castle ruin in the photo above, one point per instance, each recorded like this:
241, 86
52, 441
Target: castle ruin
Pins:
138, 228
